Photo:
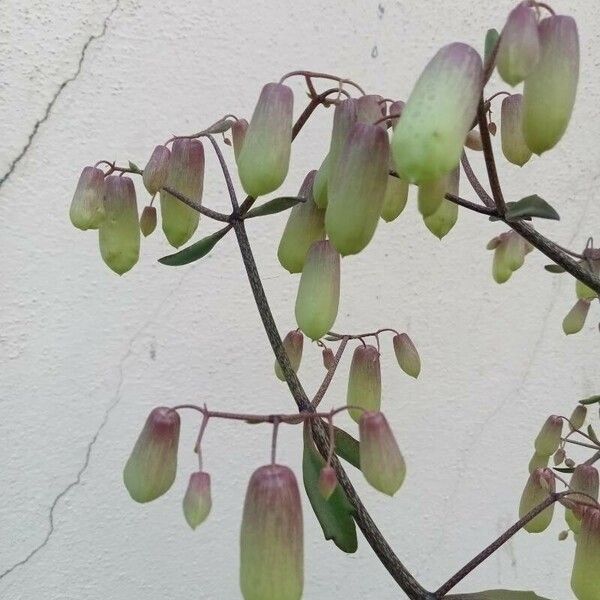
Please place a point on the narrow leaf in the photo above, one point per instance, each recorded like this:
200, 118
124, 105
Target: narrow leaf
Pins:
565, 469
274, 206
491, 39
347, 447
530, 206
195, 251
554, 268
592, 434
590, 400
497, 595
220, 126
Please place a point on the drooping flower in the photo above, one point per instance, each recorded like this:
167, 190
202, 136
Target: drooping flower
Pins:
156, 170
514, 147
364, 381
327, 481
148, 220
575, 319
584, 480
292, 344
407, 355
540, 485
444, 218
394, 201
197, 501
548, 439
585, 578
87, 209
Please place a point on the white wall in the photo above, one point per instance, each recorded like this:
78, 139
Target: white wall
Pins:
86, 354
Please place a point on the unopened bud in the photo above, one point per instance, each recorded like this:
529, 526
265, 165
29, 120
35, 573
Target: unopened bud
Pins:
585, 578
538, 461
292, 344
327, 481
156, 171
364, 382
394, 201
563, 535
569, 462
431, 195
559, 456
320, 184
328, 358
148, 220
87, 209
575, 319
510, 250
584, 480
151, 468
197, 501
514, 146
238, 134
492, 127
578, 416
540, 485
407, 355
473, 140
548, 439
370, 109
441, 222
396, 108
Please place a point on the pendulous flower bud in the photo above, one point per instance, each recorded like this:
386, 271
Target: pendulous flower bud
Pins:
319, 290
407, 355
370, 108
151, 468
431, 195
428, 141
186, 176
550, 89
156, 171
320, 184
197, 501
575, 319
364, 382
292, 344
356, 189
510, 250
328, 358
473, 140
585, 578
148, 220
519, 48
87, 210
265, 156
444, 218
582, 291
271, 541
578, 416
394, 201
305, 225
381, 462
238, 134
327, 481
540, 484
514, 147
538, 461
119, 232
548, 439
396, 108
584, 480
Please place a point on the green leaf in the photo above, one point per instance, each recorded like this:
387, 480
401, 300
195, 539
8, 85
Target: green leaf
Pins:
274, 206
554, 268
221, 126
491, 39
498, 595
347, 447
335, 514
134, 167
590, 400
593, 435
195, 251
565, 469
530, 206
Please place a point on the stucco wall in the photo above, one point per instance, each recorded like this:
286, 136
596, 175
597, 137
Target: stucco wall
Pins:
85, 354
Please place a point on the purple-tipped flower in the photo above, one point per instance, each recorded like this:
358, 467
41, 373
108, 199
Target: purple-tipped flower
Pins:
151, 468
328, 358
319, 290
550, 90
305, 225
396, 108
514, 146
578, 416
540, 485
265, 156
394, 201
119, 232
271, 541
238, 135
584, 480
444, 218
292, 344
585, 578
156, 171
428, 141
356, 189
87, 210
148, 220
575, 319
370, 109
548, 439
197, 501
538, 461
381, 462
327, 481
510, 250
186, 176
364, 382
519, 49
407, 355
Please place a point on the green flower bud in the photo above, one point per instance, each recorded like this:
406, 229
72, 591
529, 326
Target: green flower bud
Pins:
584, 480
151, 468
514, 147
119, 232
319, 290
407, 355
575, 319
356, 189
431, 195
197, 501
328, 358
559, 457
148, 220
585, 578
292, 344
320, 184
305, 225
87, 210
394, 201
186, 176
578, 416
364, 381
327, 481
238, 135
538, 461
550, 89
428, 141
548, 439
271, 541
444, 218
581, 289
381, 462
156, 171
265, 156
510, 250
519, 49
540, 485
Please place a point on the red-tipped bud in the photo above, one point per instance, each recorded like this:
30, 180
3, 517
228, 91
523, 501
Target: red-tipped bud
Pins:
271, 541
575, 319
550, 90
514, 147
380, 459
548, 439
197, 501
540, 485
394, 201
444, 218
578, 416
428, 141
356, 189
364, 382
319, 290
473, 140
584, 480
328, 358
292, 344
186, 176
151, 468
87, 210
238, 135
265, 156
119, 232
305, 225
519, 49
585, 578
407, 355
148, 220
156, 171
327, 481
538, 461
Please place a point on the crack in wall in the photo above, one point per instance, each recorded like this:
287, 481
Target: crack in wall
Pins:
14, 163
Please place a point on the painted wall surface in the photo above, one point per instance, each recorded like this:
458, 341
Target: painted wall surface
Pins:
84, 354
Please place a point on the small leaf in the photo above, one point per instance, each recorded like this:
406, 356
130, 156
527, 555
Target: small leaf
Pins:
134, 167
220, 126
590, 400
491, 39
530, 206
347, 447
497, 595
335, 514
195, 251
274, 206
592, 434
565, 469
554, 268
